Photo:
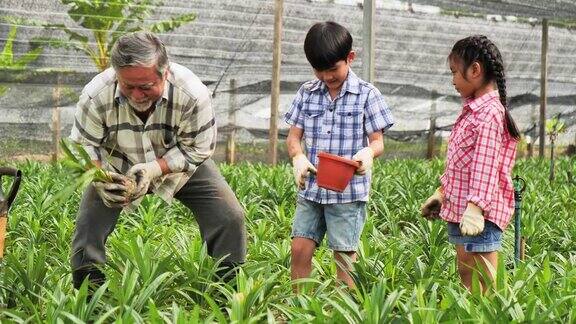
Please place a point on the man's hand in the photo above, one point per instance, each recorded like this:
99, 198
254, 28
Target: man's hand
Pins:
430, 209
113, 194
365, 156
301, 168
472, 222
143, 173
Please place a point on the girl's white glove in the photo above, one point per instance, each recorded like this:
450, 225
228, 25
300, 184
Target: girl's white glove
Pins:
472, 222
301, 168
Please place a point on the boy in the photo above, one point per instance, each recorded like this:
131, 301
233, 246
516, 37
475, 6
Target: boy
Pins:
343, 115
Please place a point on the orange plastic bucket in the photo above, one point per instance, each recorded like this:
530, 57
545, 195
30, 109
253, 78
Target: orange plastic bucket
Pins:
335, 172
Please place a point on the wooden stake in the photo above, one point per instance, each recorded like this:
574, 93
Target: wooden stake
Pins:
432, 131
543, 86
3, 222
231, 142
56, 93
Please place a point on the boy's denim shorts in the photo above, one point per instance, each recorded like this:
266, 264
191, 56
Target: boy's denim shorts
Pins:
342, 223
489, 240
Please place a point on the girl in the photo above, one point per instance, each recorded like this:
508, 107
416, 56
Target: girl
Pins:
476, 194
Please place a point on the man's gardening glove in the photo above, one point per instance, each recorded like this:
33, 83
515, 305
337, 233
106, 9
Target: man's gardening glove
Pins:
472, 222
113, 194
301, 168
430, 209
143, 173
365, 156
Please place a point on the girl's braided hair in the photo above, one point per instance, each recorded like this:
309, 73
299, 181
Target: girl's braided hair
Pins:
479, 48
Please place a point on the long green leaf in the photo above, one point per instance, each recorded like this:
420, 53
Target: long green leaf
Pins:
7, 55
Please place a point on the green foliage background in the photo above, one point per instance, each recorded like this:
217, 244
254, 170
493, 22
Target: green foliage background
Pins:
159, 271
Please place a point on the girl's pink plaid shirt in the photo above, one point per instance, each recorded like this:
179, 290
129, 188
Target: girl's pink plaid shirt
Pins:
479, 164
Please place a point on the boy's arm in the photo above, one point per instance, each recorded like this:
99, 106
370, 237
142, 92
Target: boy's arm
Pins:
293, 141
377, 119
376, 141
301, 166
366, 155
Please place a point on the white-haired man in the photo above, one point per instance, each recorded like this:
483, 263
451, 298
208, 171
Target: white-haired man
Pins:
151, 120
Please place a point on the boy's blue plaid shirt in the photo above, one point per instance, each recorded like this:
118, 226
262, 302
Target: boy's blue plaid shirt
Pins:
339, 127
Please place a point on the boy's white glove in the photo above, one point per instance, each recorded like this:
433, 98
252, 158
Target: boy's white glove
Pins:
301, 168
365, 156
430, 209
113, 194
144, 173
472, 222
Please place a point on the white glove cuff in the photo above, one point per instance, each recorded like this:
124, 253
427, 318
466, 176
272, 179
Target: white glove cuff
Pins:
298, 158
154, 169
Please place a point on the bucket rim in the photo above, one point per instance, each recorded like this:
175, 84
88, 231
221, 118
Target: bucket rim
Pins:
339, 159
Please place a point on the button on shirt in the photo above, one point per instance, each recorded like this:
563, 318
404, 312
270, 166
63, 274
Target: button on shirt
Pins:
479, 164
341, 127
181, 129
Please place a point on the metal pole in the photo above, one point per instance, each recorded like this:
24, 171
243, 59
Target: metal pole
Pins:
275, 85
543, 86
519, 187
368, 40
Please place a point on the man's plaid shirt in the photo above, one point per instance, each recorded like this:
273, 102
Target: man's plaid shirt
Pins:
481, 156
341, 127
181, 129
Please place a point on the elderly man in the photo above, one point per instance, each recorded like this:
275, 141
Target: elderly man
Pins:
150, 120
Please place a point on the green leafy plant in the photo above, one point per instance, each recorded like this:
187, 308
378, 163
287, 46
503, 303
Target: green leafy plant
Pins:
7, 57
105, 21
554, 127
80, 163
84, 170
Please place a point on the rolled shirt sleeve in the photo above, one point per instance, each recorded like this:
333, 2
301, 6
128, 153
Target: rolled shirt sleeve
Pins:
293, 116
196, 136
89, 128
485, 163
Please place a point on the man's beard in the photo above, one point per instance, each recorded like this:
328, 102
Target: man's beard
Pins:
140, 106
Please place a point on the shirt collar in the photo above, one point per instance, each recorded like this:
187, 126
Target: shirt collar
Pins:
476, 103
352, 83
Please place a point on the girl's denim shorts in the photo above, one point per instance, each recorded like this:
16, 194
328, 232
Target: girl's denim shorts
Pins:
489, 240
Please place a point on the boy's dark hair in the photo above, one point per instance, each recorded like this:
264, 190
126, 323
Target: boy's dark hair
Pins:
327, 43
479, 48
